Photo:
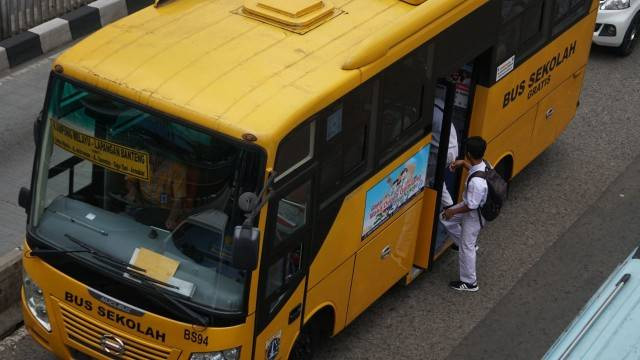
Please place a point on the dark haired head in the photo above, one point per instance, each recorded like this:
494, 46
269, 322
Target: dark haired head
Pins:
475, 147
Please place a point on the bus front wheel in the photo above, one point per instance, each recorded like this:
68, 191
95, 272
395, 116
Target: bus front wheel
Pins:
313, 335
304, 347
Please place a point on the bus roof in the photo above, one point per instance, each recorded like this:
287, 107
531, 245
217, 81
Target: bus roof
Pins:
201, 61
614, 331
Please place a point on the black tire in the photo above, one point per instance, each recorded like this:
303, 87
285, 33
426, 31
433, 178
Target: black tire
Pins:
305, 346
630, 37
313, 335
504, 170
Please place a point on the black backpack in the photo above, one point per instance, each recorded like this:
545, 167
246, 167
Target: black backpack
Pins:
497, 194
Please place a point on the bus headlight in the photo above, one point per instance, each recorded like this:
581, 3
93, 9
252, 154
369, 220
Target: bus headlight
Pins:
615, 5
230, 354
35, 301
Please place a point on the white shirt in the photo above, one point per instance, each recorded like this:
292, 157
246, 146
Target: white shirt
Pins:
475, 194
452, 151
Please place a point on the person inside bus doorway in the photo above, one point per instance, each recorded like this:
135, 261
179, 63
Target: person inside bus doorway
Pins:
161, 198
462, 221
452, 149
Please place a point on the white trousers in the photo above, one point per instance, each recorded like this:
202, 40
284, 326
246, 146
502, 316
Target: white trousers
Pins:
464, 229
446, 199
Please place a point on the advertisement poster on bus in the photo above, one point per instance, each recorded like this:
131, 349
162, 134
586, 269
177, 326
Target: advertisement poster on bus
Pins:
398, 188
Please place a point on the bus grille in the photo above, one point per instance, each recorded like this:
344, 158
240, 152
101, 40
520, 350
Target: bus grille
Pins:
87, 334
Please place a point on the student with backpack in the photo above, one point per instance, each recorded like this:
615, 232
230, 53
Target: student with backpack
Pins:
480, 201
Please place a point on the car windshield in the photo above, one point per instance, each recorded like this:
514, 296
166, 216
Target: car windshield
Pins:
144, 189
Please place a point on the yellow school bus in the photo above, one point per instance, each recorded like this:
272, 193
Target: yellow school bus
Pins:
231, 179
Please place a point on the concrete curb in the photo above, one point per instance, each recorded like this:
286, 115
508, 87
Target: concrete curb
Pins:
10, 284
54, 33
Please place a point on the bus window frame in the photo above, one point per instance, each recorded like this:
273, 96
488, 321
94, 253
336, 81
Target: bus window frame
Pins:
363, 168
271, 254
550, 37
572, 16
219, 318
524, 48
383, 154
304, 160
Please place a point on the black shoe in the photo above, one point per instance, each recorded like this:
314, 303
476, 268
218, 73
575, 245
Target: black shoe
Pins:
463, 286
455, 248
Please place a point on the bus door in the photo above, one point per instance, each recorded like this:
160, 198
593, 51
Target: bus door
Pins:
452, 97
284, 267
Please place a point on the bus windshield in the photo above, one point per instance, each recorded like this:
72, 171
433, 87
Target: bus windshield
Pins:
142, 188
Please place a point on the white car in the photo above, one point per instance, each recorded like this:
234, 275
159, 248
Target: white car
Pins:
617, 25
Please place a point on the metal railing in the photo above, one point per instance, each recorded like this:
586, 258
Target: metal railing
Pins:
19, 15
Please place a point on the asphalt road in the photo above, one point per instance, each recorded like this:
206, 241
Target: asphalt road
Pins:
573, 214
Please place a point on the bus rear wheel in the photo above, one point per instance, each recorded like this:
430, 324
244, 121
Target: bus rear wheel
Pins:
504, 169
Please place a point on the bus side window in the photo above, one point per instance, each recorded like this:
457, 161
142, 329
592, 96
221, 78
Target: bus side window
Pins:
295, 150
523, 30
566, 12
343, 132
285, 247
401, 103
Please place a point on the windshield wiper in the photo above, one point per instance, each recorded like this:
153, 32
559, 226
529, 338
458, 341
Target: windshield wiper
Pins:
99, 254
148, 281
85, 249
192, 314
134, 272
151, 283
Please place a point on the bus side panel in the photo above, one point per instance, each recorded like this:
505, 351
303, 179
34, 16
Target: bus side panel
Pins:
345, 237
555, 111
342, 241
514, 141
570, 90
384, 260
332, 291
497, 107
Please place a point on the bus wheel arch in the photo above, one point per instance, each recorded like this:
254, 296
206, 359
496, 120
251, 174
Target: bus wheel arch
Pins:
314, 332
504, 167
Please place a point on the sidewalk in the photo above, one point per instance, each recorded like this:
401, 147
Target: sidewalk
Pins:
21, 96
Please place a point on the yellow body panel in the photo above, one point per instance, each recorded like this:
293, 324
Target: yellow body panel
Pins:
332, 292
344, 238
386, 259
281, 327
515, 141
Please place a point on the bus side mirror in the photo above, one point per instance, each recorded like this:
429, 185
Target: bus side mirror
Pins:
245, 247
24, 199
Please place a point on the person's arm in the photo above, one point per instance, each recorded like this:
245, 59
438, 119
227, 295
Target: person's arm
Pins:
456, 164
471, 201
179, 189
451, 212
132, 189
